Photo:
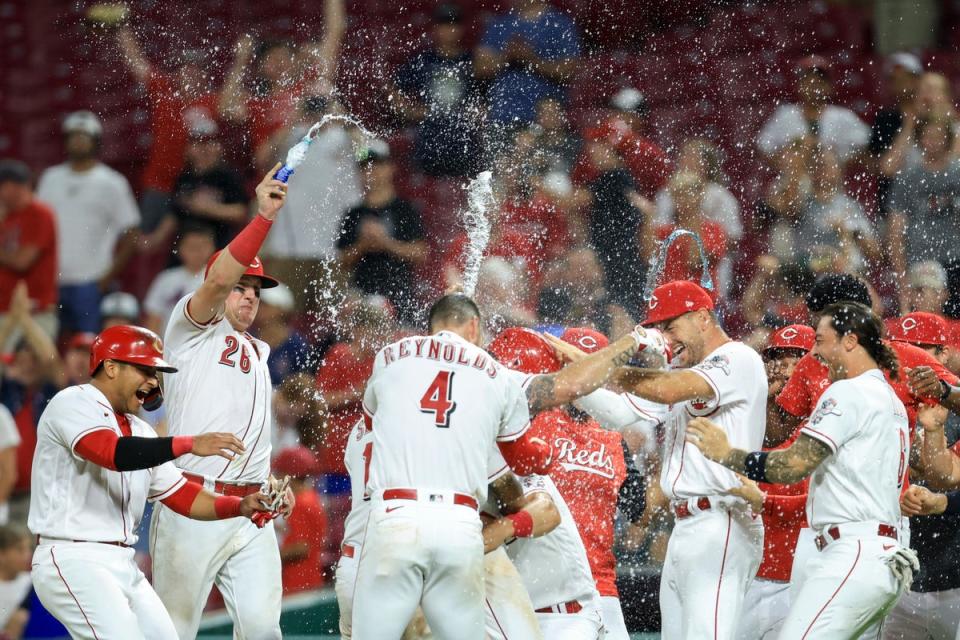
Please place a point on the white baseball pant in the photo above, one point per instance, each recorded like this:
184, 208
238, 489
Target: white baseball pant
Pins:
189, 556
804, 554
764, 609
932, 614
98, 592
418, 552
846, 590
346, 581
509, 612
585, 624
711, 558
614, 626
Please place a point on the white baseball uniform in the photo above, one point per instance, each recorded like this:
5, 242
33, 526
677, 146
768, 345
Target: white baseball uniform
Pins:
556, 573
716, 548
854, 504
437, 404
223, 385
86, 517
767, 604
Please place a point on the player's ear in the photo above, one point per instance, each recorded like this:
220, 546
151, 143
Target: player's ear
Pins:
111, 369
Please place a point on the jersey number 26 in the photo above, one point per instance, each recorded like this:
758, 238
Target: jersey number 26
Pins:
438, 399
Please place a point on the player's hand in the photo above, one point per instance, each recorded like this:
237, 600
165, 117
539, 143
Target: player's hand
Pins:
253, 504
709, 438
932, 418
288, 503
225, 445
924, 383
271, 194
920, 501
749, 491
564, 350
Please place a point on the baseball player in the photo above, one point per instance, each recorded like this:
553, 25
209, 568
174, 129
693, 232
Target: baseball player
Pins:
225, 386
717, 543
856, 445
436, 405
594, 473
95, 466
782, 506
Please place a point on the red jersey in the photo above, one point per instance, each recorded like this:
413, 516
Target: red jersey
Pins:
784, 514
171, 118
648, 164
683, 258
809, 379
32, 226
307, 523
339, 371
589, 468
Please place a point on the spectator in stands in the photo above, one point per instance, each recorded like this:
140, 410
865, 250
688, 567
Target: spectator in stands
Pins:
556, 144
701, 157
436, 91
76, 359
574, 295
9, 441
926, 287
302, 534
615, 224
786, 194
28, 380
16, 588
924, 218
283, 74
194, 248
179, 102
527, 54
97, 222
28, 247
343, 372
776, 295
813, 119
208, 191
298, 414
626, 126
301, 247
381, 240
289, 351
118, 308
903, 72
683, 259
503, 293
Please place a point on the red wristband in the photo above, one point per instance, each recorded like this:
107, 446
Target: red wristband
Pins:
522, 524
182, 445
227, 507
246, 245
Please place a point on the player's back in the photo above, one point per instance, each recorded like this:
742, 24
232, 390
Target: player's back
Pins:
436, 404
223, 385
865, 425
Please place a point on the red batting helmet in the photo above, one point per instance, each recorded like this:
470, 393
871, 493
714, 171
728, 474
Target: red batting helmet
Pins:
126, 343
584, 338
255, 269
919, 328
524, 350
792, 336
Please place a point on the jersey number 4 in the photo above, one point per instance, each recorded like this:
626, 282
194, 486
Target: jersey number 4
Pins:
438, 399
226, 358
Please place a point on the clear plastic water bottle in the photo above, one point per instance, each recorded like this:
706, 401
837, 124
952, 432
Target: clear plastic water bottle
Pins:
296, 154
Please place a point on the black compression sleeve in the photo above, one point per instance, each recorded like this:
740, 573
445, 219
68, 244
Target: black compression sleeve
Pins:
134, 453
632, 499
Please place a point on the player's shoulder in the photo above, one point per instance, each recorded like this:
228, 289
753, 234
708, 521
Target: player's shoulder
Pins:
731, 356
75, 400
909, 355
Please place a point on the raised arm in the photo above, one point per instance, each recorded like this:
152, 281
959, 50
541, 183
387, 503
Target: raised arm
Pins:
233, 105
230, 265
665, 387
133, 55
940, 466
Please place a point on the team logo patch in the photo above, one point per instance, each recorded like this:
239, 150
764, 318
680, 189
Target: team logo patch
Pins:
653, 302
827, 408
908, 324
720, 362
588, 342
256, 263
789, 333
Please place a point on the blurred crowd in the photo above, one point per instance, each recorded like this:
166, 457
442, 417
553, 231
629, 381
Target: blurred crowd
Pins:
580, 212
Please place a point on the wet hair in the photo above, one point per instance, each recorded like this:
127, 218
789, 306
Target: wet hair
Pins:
12, 535
857, 319
798, 277
837, 287
453, 309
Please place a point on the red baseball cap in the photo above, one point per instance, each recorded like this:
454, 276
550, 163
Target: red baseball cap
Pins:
674, 299
919, 328
524, 350
255, 269
82, 341
297, 462
792, 336
584, 338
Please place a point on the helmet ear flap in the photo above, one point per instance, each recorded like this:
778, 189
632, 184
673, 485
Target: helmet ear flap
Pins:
153, 400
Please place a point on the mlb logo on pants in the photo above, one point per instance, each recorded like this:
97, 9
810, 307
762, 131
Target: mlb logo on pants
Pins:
436, 497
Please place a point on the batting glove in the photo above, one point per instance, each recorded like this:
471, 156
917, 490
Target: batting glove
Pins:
903, 563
